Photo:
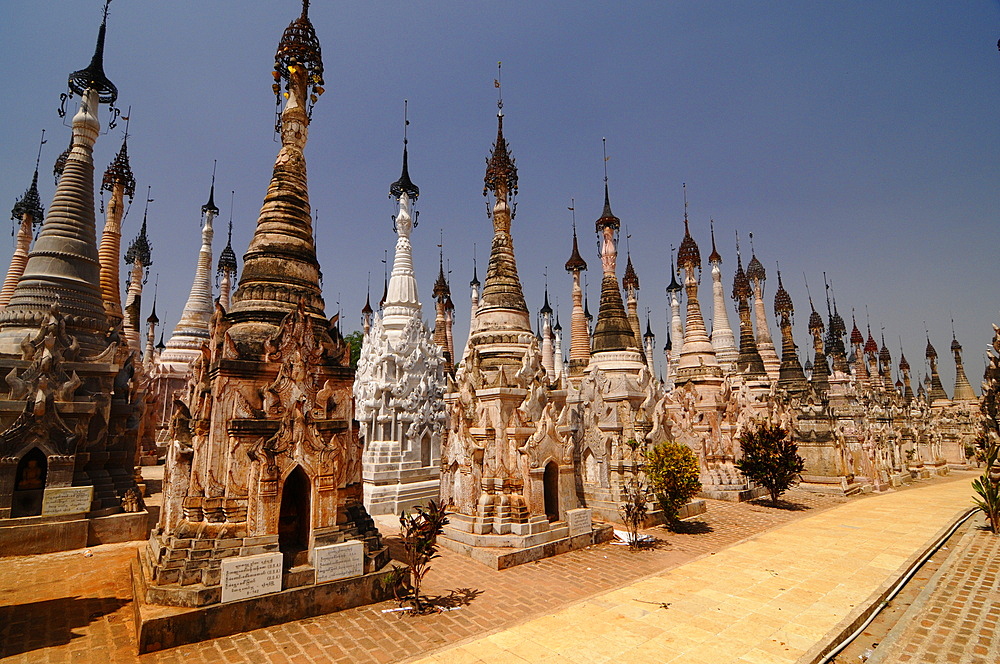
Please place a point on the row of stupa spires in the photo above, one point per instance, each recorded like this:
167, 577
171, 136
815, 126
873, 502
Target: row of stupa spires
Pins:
617, 329
119, 181
755, 356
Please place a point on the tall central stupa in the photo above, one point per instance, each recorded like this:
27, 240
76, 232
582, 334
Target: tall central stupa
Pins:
264, 465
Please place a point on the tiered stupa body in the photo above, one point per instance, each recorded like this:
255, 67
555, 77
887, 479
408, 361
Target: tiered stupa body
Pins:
72, 407
936, 391
264, 465
507, 468
399, 388
957, 423
170, 372
675, 337
614, 402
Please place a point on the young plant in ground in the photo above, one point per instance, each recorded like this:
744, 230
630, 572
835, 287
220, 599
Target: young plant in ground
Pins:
672, 474
419, 533
988, 489
770, 459
634, 508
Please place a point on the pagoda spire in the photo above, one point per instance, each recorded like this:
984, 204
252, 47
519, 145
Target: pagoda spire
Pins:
402, 301
904, 368
612, 332
936, 391
225, 272
120, 182
790, 377
442, 293
697, 358
722, 334
27, 210
765, 346
64, 265
192, 330
473, 302
963, 390
140, 256
548, 342
750, 362
579, 334
149, 354
676, 326
280, 269
820, 378
502, 303
630, 284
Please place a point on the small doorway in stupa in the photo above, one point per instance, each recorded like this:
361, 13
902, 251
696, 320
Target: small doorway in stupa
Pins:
550, 480
425, 450
29, 484
294, 518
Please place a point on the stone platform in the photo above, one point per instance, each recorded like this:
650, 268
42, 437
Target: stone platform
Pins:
46, 534
158, 626
500, 557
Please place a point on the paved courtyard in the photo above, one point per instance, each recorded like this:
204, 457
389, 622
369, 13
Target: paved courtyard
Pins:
757, 583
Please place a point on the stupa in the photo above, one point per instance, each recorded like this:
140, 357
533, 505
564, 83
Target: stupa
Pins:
507, 468
262, 517
170, 371
70, 417
399, 389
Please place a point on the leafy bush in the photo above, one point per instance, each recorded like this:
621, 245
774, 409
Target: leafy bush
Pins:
770, 458
672, 474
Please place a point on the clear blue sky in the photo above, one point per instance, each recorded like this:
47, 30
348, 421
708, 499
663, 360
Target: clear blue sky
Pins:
860, 139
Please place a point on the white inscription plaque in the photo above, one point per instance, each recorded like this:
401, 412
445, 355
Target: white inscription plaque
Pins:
250, 576
339, 561
579, 521
67, 499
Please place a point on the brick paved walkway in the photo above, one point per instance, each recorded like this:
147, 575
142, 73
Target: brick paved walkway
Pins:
775, 598
955, 618
68, 607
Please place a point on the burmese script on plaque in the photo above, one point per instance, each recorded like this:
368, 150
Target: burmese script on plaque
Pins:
339, 561
250, 576
67, 500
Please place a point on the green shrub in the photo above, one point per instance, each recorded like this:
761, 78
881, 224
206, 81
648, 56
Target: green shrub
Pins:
672, 475
770, 458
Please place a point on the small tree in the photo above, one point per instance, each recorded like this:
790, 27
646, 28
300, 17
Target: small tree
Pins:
355, 339
634, 508
770, 458
419, 533
672, 474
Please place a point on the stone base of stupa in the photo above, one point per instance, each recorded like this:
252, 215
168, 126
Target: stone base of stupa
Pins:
734, 493
159, 626
524, 542
30, 535
401, 494
605, 507
834, 485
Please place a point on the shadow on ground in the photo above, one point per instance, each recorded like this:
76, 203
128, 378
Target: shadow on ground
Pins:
692, 528
779, 504
27, 627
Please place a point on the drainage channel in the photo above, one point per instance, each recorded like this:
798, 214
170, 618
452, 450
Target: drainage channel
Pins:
862, 642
